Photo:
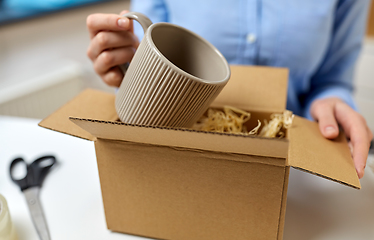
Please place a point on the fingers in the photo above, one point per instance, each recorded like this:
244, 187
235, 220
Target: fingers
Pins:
107, 22
113, 77
356, 129
113, 43
324, 113
106, 64
332, 111
109, 40
111, 58
360, 150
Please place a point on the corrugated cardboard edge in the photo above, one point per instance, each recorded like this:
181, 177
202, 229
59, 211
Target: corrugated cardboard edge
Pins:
309, 151
88, 104
74, 132
185, 138
329, 178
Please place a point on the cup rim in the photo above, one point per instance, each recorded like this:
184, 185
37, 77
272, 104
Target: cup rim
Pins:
181, 71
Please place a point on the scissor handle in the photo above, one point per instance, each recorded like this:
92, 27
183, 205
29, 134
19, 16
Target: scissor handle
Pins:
23, 183
36, 171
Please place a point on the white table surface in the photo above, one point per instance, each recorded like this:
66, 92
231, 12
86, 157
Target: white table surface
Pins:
71, 196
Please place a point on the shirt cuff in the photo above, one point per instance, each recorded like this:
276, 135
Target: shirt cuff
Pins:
342, 93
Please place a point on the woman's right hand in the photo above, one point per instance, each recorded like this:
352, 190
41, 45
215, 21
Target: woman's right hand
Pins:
113, 43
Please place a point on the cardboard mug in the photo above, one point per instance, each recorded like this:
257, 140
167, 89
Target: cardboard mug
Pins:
173, 77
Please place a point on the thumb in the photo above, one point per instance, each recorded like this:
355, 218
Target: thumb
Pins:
323, 111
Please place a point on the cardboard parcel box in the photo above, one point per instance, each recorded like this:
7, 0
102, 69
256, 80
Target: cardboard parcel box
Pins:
184, 184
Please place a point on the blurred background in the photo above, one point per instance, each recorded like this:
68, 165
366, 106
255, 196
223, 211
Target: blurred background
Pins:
43, 60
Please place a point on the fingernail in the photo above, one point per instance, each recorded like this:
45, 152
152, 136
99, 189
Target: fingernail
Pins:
361, 174
123, 22
329, 130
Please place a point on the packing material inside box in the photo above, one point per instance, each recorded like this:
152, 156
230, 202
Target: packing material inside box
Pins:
185, 184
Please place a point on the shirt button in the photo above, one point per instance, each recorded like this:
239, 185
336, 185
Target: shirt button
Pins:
251, 38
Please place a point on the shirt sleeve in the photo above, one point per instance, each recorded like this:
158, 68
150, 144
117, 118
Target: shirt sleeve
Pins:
334, 77
155, 10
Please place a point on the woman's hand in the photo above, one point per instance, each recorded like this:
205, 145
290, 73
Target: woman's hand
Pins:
112, 43
332, 113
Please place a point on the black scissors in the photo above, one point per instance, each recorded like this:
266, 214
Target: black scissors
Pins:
30, 185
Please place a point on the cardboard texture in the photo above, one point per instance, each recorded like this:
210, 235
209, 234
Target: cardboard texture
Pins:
185, 184
311, 152
173, 193
255, 89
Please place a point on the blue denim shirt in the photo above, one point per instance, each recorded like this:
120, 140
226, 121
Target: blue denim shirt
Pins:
318, 40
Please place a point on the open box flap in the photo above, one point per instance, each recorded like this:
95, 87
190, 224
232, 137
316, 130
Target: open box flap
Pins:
311, 152
88, 104
186, 138
261, 89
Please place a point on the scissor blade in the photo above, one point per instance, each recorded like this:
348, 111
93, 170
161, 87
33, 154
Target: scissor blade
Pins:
36, 211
